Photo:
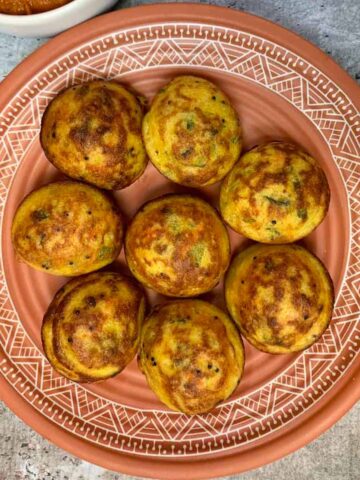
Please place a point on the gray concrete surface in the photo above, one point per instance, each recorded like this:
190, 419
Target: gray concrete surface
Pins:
333, 25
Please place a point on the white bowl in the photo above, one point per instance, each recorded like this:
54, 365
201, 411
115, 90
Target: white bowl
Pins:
54, 21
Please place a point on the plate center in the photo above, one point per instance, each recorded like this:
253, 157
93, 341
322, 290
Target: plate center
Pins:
264, 116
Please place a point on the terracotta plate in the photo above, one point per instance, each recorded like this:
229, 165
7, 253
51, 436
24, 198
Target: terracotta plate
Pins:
283, 88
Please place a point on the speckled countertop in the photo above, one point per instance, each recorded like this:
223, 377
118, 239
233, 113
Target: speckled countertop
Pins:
333, 25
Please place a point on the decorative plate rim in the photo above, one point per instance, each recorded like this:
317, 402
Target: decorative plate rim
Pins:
179, 10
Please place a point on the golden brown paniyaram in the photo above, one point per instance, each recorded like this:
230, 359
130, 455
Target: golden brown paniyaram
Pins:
280, 296
177, 245
276, 193
192, 132
67, 228
191, 354
92, 132
91, 329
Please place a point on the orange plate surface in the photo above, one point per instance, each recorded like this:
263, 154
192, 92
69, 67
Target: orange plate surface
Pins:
283, 88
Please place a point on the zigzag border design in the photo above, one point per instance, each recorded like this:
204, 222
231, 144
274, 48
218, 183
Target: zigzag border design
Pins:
248, 418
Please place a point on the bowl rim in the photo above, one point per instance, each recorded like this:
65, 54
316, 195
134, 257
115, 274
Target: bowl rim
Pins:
46, 15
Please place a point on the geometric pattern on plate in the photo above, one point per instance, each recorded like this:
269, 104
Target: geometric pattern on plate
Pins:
249, 417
